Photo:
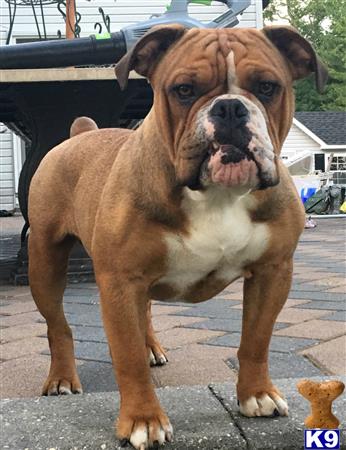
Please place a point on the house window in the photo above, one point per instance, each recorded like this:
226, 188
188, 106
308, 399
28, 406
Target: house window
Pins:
338, 166
338, 163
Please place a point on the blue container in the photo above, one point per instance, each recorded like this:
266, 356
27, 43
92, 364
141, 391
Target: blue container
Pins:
307, 193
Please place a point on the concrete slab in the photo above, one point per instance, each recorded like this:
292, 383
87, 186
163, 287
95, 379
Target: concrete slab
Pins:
202, 418
85, 422
282, 433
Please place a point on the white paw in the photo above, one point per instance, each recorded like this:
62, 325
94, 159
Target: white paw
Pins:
63, 390
145, 436
265, 406
157, 359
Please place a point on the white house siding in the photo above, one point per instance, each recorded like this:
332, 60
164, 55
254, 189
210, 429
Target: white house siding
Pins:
298, 142
7, 188
121, 13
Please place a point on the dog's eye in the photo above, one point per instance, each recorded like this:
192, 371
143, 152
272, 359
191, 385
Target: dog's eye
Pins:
184, 91
267, 88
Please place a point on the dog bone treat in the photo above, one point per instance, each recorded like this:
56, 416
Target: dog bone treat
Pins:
321, 396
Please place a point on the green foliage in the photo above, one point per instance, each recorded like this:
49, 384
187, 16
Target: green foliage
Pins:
323, 23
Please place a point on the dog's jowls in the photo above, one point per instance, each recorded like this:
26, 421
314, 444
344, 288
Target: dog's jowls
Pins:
193, 199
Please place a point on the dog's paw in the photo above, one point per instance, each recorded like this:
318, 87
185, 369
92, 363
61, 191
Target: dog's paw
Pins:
156, 354
266, 405
61, 386
145, 433
157, 358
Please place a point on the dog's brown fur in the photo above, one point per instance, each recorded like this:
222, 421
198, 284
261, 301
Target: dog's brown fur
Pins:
119, 192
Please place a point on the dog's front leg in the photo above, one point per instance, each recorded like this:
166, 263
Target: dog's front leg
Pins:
264, 296
124, 309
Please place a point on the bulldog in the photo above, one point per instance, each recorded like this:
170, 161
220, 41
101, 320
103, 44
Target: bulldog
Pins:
177, 209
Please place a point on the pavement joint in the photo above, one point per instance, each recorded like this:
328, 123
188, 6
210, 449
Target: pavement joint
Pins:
226, 407
318, 364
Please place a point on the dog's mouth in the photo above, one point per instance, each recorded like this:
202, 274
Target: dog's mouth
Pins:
231, 166
230, 153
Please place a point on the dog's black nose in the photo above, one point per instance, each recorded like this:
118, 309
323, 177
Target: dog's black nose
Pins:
233, 112
230, 117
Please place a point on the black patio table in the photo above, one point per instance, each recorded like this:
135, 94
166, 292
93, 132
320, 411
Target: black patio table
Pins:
40, 104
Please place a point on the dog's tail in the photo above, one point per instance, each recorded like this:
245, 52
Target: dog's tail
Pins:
81, 125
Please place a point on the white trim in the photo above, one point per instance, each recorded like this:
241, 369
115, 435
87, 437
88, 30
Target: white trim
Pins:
308, 132
333, 147
259, 14
60, 74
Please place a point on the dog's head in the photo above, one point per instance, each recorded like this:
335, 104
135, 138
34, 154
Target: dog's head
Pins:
223, 99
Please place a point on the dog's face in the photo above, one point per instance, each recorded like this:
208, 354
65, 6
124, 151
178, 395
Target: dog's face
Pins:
223, 99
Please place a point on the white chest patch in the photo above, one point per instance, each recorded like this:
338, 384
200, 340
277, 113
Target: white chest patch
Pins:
222, 239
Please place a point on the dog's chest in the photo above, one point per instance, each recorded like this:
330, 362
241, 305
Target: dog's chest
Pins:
222, 240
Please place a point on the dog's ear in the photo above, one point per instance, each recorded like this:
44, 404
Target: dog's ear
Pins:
299, 53
147, 51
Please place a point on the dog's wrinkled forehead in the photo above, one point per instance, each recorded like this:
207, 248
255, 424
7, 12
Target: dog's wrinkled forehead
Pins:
214, 58
208, 57
164, 50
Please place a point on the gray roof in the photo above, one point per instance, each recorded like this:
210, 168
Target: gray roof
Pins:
330, 126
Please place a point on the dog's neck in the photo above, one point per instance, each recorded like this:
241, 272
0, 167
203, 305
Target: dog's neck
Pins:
153, 174
155, 158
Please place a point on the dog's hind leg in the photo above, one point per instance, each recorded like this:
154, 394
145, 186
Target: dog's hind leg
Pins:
157, 355
47, 275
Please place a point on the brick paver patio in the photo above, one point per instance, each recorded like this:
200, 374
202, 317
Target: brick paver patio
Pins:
201, 340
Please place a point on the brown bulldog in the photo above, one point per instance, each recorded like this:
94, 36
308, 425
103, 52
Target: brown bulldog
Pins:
193, 199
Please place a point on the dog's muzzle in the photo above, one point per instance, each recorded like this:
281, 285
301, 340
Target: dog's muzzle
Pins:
240, 151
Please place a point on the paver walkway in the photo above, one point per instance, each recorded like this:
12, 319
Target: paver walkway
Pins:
201, 340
